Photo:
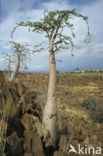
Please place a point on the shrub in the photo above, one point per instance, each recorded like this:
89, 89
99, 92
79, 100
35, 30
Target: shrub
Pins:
57, 71
96, 108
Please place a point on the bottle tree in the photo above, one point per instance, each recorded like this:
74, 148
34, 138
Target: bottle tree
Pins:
20, 53
53, 24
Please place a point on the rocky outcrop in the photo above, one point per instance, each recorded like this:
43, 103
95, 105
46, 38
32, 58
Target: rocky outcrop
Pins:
14, 145
22, 134
60, 153
63, 143
23, 119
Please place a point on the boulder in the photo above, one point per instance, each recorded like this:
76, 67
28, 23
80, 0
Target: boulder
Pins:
24, 120
14, 145
28, 154
2, 80
63, 143
33, 144
60, 153
38, 125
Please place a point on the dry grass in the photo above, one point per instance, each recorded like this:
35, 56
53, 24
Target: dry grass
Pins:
7, 109
74, 120
4, 114
41, 97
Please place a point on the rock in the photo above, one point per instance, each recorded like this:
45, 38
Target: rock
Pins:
2, 79
3, 128
38, 125
60, 153
21, 89
63, 143
28, 154
29, 106
3, 87
28, 136
14, 124
33, 144
35, 130
37, 148
49, 141
14, 145
26, 122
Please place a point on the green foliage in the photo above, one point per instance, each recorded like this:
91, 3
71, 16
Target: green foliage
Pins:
18, 50
53, 24
57, 71
86, 102
77, 68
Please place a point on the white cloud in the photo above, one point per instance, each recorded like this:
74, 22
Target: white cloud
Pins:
17, 13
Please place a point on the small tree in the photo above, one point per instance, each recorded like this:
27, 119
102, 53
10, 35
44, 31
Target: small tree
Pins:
20, 54
53, 24
8, 58
77, 68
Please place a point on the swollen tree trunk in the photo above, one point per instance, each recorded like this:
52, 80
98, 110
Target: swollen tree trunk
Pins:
14, 73
50, 111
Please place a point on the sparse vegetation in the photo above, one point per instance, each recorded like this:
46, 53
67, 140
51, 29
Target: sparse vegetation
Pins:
53, 25
73, 120
96, 108
19, 54
41, 98
57, 71
77, 68
41, 119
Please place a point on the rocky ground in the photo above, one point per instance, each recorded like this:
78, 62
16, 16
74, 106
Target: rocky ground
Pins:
80, 113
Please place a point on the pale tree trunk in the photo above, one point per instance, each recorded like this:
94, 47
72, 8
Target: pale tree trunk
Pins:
14, 73
50, 111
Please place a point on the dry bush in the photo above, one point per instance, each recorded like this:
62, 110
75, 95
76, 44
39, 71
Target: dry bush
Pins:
41, 98
96, 108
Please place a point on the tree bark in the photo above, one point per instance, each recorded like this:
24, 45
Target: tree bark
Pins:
50, 111
14, 73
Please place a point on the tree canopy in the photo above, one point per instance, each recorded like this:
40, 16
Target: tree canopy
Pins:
53, 24
19, 50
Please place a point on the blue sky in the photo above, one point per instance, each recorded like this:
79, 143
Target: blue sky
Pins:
81, 2
85, 56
